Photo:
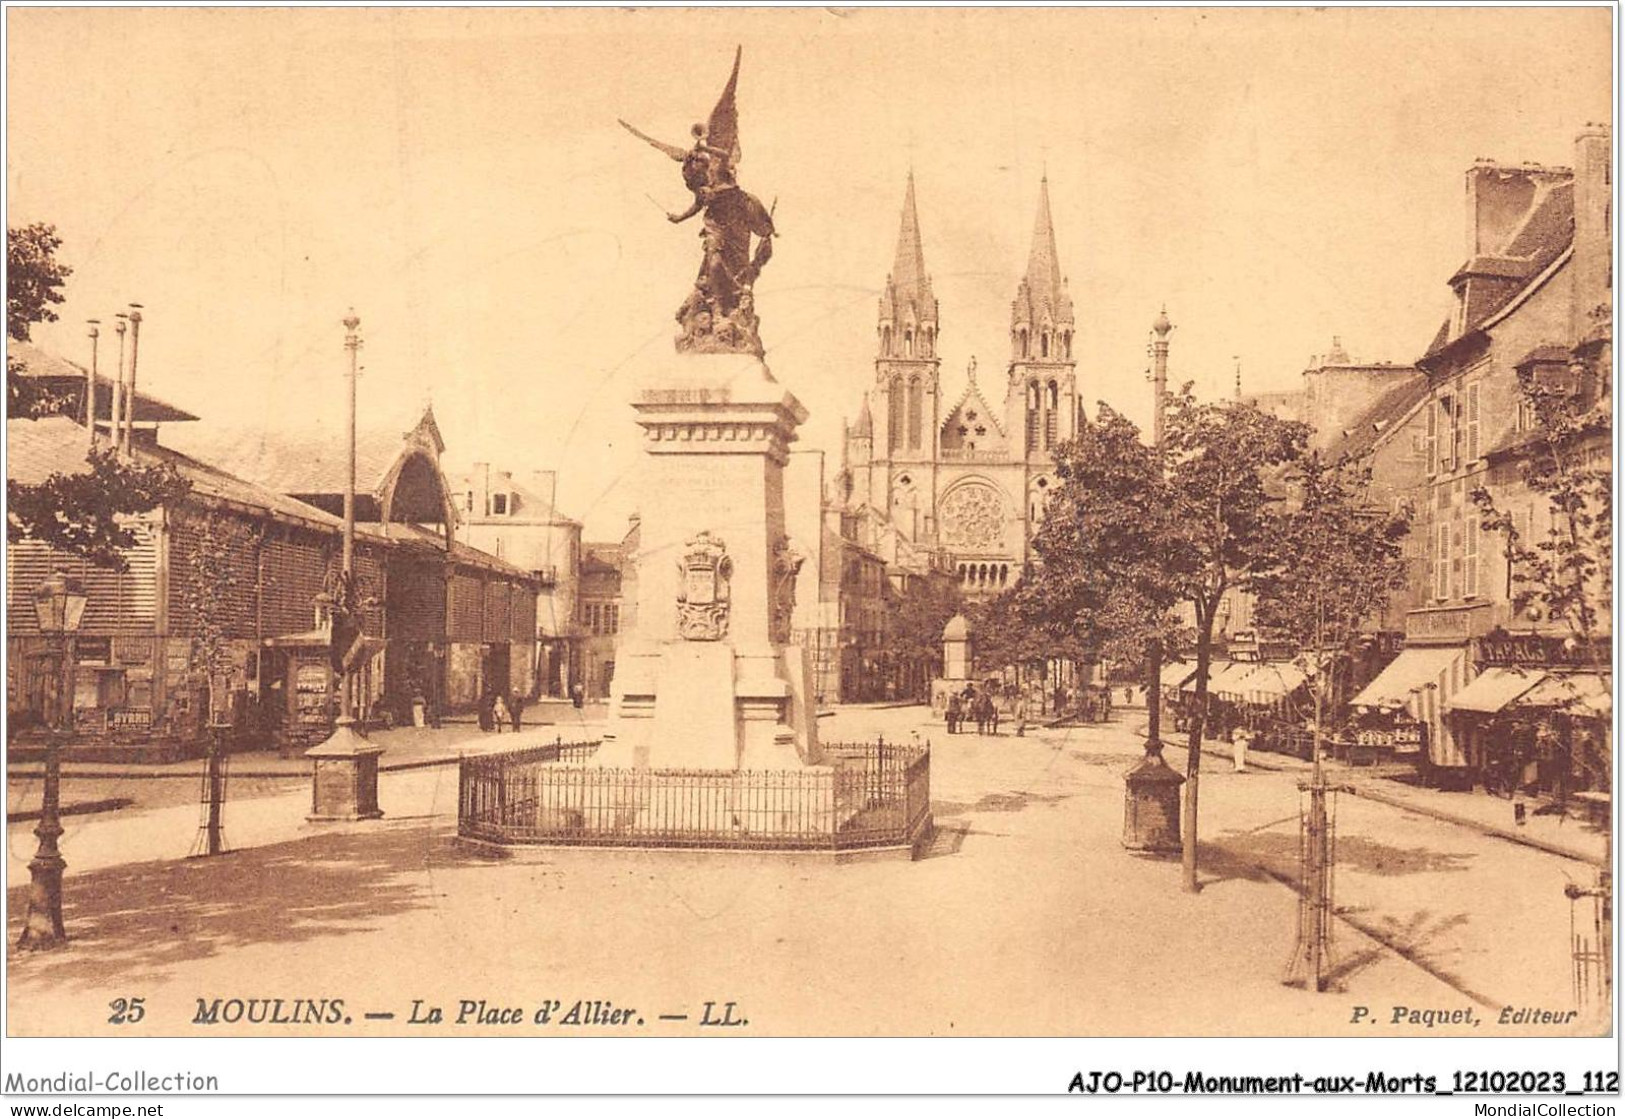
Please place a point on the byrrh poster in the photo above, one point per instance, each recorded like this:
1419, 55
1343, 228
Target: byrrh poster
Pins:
558, 537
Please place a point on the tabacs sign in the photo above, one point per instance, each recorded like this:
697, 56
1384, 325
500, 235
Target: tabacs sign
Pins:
1509, 650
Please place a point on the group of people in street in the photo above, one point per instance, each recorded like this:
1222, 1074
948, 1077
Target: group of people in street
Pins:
500, 710
985, 705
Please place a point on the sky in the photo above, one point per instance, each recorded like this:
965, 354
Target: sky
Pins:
1274, 177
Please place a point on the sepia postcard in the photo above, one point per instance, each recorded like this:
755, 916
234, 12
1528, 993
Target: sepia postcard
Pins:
694, 523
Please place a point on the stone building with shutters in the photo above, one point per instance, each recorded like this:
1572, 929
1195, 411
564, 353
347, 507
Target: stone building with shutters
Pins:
514, 517
965, 478
1532, 301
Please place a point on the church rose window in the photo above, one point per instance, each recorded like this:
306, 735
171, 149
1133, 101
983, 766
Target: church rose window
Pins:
972, 516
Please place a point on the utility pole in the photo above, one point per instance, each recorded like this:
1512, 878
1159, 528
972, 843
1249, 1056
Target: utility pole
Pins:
129, 399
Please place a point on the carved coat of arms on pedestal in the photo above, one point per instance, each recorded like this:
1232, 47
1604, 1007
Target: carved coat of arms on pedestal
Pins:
703, 577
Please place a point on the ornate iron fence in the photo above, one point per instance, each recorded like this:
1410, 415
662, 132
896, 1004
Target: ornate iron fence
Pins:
873, 794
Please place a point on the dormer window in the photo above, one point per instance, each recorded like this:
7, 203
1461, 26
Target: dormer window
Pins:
499, 504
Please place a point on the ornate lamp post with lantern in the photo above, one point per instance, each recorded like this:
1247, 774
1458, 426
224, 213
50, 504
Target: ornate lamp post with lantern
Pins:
59, 605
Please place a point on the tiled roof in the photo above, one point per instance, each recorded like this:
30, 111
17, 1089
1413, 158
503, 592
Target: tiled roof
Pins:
600, 557
1544, 354
417, 536
41, 364
1547, 230
1538, 243
38, 448
1380, 419
308, 462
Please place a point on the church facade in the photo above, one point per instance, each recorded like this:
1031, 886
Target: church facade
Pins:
965, 480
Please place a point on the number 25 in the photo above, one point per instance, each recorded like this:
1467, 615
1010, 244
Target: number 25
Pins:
126, 1012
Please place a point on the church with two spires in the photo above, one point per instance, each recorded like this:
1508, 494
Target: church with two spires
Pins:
967, 478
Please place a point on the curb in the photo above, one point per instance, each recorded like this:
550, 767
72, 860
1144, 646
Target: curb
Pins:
1371, 792
1520, 838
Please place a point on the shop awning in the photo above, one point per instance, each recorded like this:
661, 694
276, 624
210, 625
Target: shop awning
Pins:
1407, 674
1224, 677
1494, 688
1273, 681
1175, 674
1578, 693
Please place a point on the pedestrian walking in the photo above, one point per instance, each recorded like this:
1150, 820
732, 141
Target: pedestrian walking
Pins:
499, 712
1240, 740
484, 712
1018, 714
516, 709
955, 713
578, 694
992, 715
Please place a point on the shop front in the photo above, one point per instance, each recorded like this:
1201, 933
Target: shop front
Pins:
1409, 700
1538, 716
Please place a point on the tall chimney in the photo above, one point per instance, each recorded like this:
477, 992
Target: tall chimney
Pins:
1593, 235
116, 414
90, 380
129, 401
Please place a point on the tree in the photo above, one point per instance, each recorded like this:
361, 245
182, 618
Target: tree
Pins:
210, 585
1225, 464
85, 513
1103, 585
34, 280
916, 617
1134, 532
1337, 560
34, 277
1565, 574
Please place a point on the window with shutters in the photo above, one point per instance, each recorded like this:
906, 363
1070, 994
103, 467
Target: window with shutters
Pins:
1447, 433
1456, 565
1431, 441
1472, 421
1441, 563
1471, 530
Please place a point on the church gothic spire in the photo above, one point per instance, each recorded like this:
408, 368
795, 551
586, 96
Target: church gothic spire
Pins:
1041, 315
908, 308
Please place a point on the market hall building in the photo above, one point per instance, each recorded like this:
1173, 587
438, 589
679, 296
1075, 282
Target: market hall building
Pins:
133, 688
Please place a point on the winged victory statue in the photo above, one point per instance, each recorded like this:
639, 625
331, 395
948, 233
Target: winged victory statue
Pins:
719, 315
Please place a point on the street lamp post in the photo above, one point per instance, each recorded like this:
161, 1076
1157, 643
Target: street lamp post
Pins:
59, 603
344, 778
1151, 788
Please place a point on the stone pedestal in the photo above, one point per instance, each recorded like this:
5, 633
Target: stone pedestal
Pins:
344, 779
1151, 807
957, 659
705, 675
